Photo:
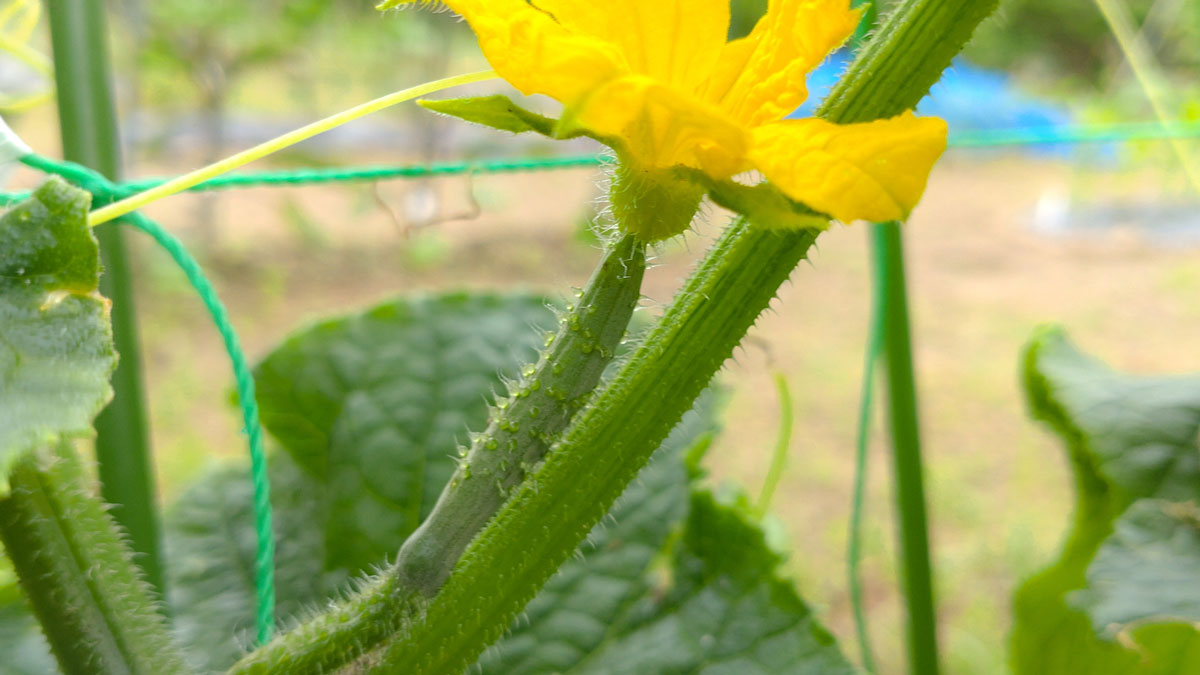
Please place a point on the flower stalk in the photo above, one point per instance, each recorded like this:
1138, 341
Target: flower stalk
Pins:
59, 536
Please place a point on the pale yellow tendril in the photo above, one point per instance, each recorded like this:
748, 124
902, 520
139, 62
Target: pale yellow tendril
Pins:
118, 209
18, 21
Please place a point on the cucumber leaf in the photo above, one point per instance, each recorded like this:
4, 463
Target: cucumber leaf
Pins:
56, 358
211, 543
1128, 438
1147, 572
56, 349
669, 563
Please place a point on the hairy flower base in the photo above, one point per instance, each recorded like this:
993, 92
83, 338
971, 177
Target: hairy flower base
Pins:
654, 203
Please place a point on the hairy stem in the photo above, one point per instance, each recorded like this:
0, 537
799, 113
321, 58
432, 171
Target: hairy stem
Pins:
551, 512
59, 536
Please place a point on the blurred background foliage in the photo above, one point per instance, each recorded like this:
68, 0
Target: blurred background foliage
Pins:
1067, 42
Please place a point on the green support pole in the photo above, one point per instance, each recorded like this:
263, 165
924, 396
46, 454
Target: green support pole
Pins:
915, 569
78, 31
891, 302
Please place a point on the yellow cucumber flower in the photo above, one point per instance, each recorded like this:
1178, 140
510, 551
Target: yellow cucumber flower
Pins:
660, 83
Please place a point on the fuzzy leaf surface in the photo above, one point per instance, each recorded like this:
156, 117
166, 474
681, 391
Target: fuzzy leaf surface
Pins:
1127, 437
211, 543
56, 349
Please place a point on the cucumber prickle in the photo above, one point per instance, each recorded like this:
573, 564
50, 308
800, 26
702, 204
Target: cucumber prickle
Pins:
524, 426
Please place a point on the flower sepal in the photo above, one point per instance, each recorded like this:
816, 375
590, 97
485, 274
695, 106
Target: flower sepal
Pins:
763, 204
502, 113
497, 112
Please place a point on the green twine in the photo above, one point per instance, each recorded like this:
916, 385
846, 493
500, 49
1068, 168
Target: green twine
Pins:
981, 138
370, 173
353, 174
264, 560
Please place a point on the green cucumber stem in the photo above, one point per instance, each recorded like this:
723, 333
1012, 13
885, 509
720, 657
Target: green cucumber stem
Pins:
96, 609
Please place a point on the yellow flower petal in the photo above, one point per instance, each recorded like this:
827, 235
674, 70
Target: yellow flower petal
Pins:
657, 127
537, 54
874, 171
761, 77
674, 41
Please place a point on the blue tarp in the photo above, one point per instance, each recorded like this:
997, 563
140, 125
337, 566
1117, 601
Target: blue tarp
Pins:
967, 97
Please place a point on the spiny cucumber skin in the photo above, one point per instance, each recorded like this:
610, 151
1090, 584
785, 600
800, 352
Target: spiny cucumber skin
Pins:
74, 565
525, 426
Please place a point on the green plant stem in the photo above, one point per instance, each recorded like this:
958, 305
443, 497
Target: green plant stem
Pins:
539, 527
916, 571
78, 31
96, 611
782, 442
866, 404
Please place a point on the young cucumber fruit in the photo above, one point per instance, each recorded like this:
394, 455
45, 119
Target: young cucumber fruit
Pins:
524, 426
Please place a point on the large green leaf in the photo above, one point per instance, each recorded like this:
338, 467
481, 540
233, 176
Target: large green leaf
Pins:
56, 351
374, 406
56, 356
1128, 438
725, 610
211, 543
